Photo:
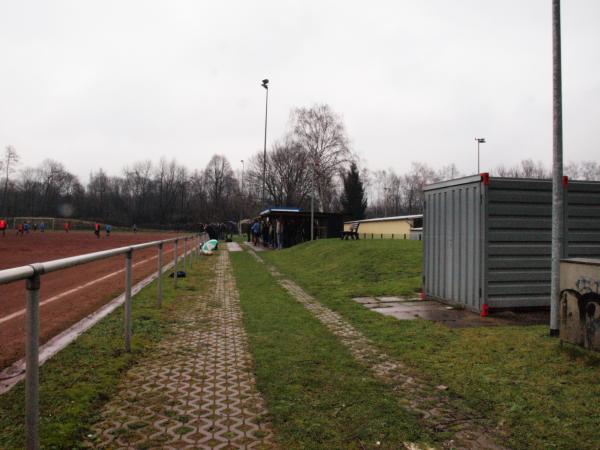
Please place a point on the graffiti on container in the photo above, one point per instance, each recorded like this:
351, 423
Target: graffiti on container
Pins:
587, 294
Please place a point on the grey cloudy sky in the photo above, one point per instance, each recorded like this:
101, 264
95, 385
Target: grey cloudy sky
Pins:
106, 83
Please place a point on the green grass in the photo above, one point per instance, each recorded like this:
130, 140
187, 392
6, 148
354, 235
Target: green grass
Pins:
317, 395
80, 379
544, 396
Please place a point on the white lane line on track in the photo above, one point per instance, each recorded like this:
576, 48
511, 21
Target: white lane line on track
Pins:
21, 312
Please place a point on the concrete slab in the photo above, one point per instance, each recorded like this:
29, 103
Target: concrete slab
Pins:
397, 299
234, 247
364, 300
405, 308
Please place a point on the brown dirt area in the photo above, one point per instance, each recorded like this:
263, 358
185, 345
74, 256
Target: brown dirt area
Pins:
58, 315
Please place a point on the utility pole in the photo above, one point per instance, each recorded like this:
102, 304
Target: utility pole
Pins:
265, 84
557, 170
312, 201
242, 200
479, 141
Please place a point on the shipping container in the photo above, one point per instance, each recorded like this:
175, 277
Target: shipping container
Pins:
487, 240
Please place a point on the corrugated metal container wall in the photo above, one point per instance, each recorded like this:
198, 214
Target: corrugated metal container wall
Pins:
453, 242
583, 219
519, 234
488, 240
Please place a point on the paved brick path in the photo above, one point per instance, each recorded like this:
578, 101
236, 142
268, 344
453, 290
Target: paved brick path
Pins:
437, 412
198, 390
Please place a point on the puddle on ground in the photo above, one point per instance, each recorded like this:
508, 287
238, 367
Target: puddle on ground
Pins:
412, 308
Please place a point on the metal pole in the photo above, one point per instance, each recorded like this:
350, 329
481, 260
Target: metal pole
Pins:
185, 254
175, 265
32, 412
478, 142
265, 149
242, 201
128, 301
159, 280
557, 169
312, 203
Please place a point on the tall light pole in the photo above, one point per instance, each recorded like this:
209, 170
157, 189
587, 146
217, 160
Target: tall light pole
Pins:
312, 199
385, 198
557, 171
479, 141
242, 198
265, 84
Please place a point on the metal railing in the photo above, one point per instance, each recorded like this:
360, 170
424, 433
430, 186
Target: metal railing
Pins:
32, 275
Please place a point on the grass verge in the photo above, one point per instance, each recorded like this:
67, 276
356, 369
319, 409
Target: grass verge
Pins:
80, 379
516, 377
317, 394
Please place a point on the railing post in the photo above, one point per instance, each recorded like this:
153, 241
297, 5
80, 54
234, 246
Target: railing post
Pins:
185, 254
32, 412
159, 283
128, 300
175, 264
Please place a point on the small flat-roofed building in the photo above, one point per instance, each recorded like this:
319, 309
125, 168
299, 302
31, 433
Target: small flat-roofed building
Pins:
296, 224
398, 226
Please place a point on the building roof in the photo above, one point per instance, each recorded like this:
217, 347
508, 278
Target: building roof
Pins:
385, 219
282, 209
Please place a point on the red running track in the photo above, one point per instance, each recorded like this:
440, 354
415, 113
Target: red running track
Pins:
68, 295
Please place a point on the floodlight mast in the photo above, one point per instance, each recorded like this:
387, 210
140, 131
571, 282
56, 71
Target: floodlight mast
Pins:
557, 172
479, 141
265, 84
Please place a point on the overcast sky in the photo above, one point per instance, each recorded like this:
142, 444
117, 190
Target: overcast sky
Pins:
107, 83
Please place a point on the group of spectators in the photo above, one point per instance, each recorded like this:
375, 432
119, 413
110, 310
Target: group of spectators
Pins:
219, 230
267, 231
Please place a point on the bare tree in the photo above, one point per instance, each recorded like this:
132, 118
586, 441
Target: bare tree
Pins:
11, 159
321, 133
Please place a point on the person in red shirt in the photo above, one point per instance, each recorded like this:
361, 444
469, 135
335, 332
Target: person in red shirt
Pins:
3, 227
97, 230
67, 227
20, 229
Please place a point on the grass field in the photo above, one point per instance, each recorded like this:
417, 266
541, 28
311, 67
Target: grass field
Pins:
76, 382
318, 396
542, 395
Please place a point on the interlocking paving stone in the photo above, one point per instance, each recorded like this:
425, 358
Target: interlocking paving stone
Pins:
414, 394
198, 391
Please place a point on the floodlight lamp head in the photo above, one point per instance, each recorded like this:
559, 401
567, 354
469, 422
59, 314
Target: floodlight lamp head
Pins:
265, 82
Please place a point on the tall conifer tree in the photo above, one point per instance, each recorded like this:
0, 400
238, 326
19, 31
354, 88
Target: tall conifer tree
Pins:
354, 202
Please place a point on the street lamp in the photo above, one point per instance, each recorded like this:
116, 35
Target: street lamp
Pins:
385, 200
265, 84
479, 141
242, 199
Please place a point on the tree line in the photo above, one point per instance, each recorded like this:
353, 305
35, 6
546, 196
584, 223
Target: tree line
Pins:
313, 155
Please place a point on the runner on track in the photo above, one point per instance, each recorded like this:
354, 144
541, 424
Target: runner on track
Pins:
97, 230
108, 229
67, 227
3, 227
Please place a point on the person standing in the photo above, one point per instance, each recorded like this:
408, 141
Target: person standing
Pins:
108, 230
67, 227
97, 230
3, 227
